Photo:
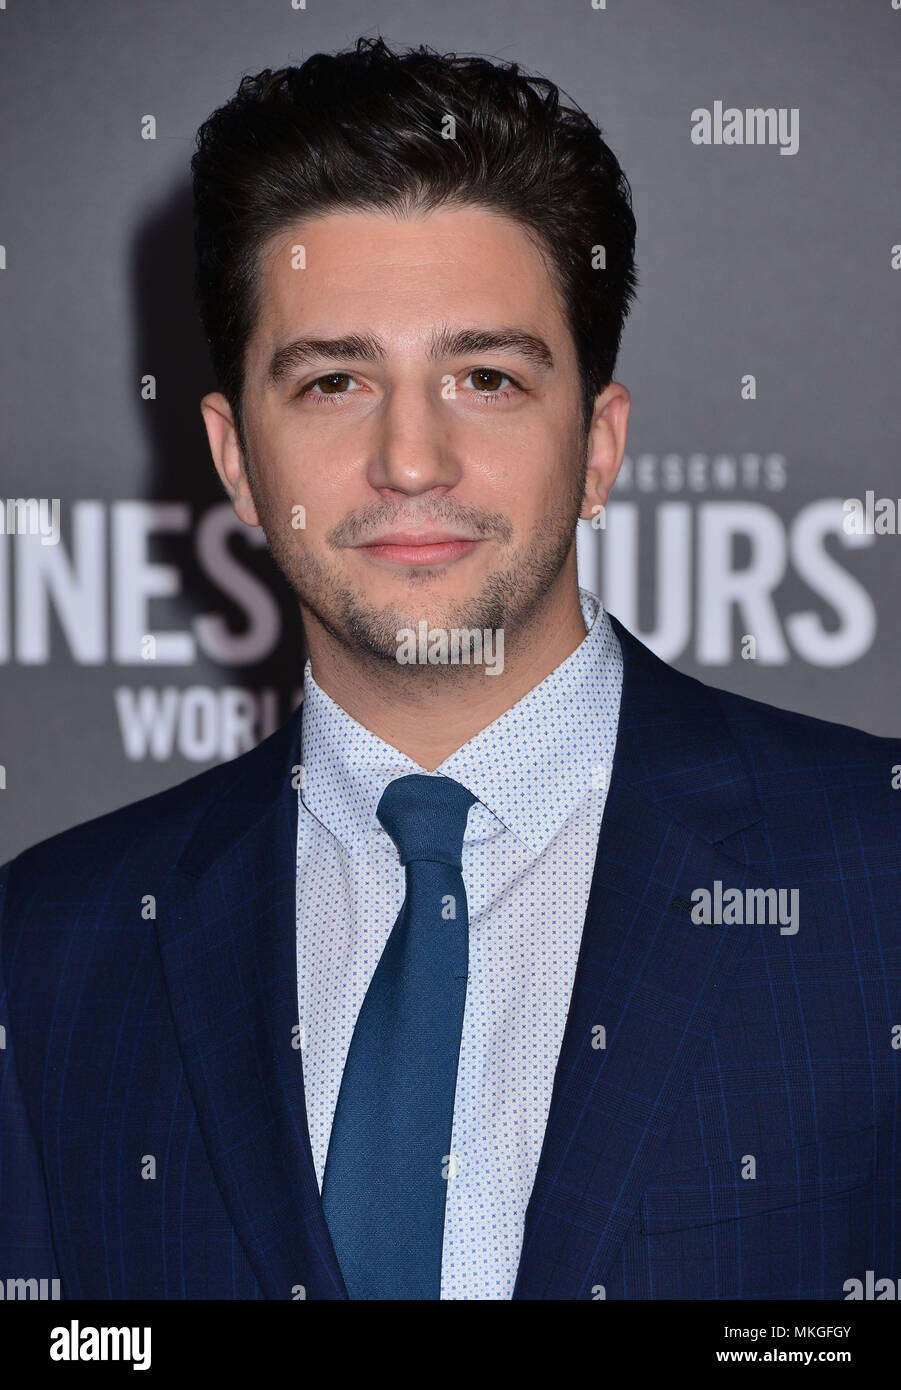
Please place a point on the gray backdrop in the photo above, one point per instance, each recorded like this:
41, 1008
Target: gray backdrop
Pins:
784, 268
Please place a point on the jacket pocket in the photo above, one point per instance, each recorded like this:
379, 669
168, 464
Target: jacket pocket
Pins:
820, 1174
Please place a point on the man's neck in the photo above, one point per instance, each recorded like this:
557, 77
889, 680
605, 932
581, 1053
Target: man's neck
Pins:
430, 718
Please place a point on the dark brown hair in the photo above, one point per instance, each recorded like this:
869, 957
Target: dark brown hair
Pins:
364, 129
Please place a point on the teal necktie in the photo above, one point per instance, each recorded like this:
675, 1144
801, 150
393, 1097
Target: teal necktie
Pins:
384, 1187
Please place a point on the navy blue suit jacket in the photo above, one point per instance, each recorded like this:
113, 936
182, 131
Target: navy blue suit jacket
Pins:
737, 1136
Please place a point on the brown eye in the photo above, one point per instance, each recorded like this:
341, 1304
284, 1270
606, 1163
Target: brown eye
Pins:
487, 378
334, 380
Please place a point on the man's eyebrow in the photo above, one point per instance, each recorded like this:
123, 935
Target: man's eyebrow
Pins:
354, 347
366, 347
468, 342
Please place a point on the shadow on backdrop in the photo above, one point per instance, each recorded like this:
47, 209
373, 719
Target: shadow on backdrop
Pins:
169, 344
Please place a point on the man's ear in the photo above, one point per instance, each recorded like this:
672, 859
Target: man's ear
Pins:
222, 433
605, 447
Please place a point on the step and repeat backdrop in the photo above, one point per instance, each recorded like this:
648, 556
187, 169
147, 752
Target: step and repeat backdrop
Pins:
752, 539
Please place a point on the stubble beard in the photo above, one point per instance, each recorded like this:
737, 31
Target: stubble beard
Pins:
509, 598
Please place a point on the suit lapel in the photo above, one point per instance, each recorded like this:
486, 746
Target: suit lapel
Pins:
227, 936
647, 975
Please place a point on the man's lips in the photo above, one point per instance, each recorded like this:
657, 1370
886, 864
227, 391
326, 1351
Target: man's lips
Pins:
423, 548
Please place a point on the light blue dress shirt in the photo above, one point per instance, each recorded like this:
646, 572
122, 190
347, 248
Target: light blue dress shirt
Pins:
540, 773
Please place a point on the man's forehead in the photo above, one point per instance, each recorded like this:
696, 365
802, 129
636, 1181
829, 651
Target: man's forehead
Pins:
452, 250
319, 281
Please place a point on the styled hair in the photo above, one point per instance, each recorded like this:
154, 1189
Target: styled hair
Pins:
367, 129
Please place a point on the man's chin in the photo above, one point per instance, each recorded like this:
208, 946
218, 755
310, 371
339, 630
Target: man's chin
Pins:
389, 631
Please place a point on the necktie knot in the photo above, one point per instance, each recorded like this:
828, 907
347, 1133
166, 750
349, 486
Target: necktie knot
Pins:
426, 817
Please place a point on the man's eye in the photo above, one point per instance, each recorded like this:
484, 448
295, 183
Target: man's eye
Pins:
488, 379
332, 384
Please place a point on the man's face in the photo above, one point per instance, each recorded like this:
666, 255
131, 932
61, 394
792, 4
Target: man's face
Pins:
386, 419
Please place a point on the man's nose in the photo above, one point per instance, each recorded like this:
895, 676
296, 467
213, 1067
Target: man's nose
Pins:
412, 446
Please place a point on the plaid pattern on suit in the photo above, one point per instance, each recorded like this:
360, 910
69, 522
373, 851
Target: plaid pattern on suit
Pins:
153, 1138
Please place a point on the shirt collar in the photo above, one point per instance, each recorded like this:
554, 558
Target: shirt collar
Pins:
530, 768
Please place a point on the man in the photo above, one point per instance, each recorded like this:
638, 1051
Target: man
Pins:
516, 964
